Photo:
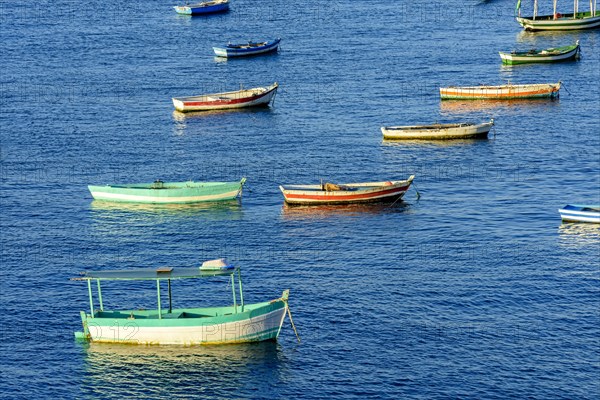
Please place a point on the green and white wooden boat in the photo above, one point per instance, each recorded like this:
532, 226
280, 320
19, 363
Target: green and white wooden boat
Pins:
555, 54
560, 22
235, 323
160, 192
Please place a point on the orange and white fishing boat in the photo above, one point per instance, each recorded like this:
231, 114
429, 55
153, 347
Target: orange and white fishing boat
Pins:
330, 193
260, 96
502, 92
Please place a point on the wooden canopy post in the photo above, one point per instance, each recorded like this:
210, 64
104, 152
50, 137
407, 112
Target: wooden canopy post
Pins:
100, 295
241, 291
158, 295
170, 303
91, 298
233, 291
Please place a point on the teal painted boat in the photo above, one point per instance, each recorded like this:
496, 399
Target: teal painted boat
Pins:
165, 325
160, 192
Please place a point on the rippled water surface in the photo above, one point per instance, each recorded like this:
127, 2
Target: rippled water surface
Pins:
475, 290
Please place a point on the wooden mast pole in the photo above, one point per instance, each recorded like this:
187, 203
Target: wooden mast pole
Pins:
535, 8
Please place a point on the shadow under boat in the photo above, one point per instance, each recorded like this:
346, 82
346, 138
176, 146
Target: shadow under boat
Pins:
291, 211
229, 209
579, 233
171, 369
436, 143
469, 106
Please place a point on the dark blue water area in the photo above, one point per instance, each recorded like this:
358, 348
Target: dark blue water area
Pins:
475, 290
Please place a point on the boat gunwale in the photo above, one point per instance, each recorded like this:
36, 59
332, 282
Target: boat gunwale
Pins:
203, 4
247, 46
167, 185
579, 16
210, 97
502, 87
434, 127
367, 187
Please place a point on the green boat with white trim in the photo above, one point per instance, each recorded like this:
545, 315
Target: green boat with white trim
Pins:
555, 54
160, 192
237, 323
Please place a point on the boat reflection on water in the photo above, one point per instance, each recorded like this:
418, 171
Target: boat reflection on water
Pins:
578, 234
222, 210
191, 115
300, 212
436, 143
449, 108
553, 38
122, 370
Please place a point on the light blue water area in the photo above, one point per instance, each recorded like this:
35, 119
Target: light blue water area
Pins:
475, 290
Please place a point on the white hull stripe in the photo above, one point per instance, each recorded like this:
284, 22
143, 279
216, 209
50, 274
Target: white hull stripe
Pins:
582, 216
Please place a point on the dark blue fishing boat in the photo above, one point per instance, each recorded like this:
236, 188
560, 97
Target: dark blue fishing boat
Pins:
206, 7
247, 49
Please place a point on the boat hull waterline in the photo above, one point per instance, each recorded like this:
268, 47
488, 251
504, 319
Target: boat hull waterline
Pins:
168, 192
227, 100
502, 92
349, 194
247, 49
437, 131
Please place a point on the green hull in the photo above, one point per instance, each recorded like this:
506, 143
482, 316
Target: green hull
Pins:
168, 192
559, 54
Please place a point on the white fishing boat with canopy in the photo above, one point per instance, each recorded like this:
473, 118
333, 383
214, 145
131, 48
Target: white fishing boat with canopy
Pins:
234, 323
560, 22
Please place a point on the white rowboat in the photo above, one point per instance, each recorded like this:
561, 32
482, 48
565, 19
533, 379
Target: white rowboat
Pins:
437, 131
260, 96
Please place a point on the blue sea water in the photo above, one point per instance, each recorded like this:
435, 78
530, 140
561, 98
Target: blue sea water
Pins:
475, 290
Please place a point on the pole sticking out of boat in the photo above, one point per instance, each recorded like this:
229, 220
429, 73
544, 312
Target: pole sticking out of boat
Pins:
170, 302
292, 320
416, 190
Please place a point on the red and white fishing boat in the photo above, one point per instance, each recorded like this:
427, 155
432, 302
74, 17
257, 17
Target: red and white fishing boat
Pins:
329, 193
501, 92
220, 101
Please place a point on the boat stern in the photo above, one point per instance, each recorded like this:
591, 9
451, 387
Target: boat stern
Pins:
85, 334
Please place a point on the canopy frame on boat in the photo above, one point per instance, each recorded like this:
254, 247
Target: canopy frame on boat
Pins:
159, 274
593, 8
